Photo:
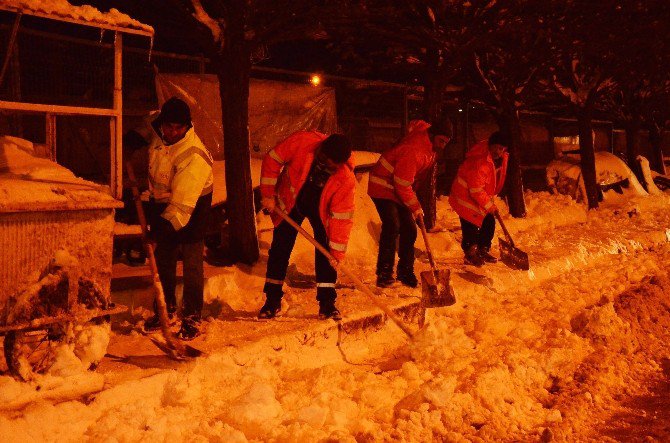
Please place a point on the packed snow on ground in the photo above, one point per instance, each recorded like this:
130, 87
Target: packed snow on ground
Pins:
521, 356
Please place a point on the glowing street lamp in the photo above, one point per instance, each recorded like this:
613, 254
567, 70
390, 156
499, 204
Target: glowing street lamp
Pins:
315, 80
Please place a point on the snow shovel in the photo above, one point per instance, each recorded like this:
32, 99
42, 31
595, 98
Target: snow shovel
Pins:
512, 256
173, 347
359, 284
436, 289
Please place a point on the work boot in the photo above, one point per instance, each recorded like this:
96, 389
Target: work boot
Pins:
385, 280
189, 328
154, 323
328, 310
385, 274
472, 256
486, 256
407, 277
271, 309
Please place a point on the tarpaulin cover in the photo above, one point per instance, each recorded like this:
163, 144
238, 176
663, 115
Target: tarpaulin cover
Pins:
276, 109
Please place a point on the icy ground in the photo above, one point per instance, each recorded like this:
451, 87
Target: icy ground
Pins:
556, 353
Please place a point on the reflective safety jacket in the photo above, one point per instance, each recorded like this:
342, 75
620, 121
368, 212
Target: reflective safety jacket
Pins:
179, 174
477, 182
284, 171
394, 174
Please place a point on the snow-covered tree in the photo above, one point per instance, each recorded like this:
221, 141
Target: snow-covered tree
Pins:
642, 76
511, 51
236, 31
584, 41
427, 37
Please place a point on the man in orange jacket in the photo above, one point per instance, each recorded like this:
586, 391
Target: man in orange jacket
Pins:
479, 179
311, 176
392, 180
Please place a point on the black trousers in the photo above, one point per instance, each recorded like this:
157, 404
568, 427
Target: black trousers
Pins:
283, 240
190, 240
482, 237
397, 225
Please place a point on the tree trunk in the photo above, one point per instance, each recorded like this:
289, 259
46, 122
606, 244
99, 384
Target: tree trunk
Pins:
656, 139
588, 157
432, 109
632, 146
233, 72
510, 125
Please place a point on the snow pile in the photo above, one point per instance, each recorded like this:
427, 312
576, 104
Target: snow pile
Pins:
17, 156
26, 178
515, 359
63, 9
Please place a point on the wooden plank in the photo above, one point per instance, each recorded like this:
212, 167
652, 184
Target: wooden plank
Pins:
116, 147
56, 109
82, 316
51, 136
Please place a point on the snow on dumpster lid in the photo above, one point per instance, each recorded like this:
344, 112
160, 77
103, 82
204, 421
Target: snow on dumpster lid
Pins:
29, 183
86, 15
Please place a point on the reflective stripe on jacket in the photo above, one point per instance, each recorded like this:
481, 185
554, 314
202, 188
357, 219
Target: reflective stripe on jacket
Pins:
285, 169
180, 174
476, 183
397, 170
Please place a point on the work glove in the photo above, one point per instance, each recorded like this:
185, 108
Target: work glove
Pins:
268, 204
418, 215
335, 264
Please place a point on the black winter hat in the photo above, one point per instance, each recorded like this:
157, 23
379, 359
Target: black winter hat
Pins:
442, 127
497, 138
337, 148
175, 110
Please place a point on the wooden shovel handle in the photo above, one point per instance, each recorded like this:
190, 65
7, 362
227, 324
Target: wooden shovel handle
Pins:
371, 295
429, 251
504, 228
176, 348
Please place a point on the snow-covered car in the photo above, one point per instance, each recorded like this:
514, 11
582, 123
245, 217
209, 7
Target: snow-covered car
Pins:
564, 175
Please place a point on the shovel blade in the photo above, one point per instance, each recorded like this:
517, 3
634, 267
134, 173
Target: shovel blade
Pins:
512, 256
436, 289
179, 353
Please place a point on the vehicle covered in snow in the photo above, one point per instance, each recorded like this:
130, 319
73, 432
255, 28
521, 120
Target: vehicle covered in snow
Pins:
564, 176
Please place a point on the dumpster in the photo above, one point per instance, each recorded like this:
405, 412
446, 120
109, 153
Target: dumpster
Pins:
56, 265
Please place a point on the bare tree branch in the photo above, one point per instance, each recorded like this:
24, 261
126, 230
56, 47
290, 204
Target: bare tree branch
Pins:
203, 17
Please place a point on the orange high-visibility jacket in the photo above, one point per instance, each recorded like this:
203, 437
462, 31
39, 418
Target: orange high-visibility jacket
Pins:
285, 169
394, 175
476, 183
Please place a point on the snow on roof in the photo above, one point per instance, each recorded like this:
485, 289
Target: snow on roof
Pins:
86, 15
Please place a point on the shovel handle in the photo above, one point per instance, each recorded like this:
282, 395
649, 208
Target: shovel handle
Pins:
176, 349
346, 271
504, 228
429, 251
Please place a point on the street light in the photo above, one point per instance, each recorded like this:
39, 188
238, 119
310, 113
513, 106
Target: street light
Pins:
315, 80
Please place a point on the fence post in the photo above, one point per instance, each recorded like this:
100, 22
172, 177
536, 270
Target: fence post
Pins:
116, 124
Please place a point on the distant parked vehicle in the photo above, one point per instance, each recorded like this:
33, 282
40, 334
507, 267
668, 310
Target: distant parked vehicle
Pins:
564, 176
